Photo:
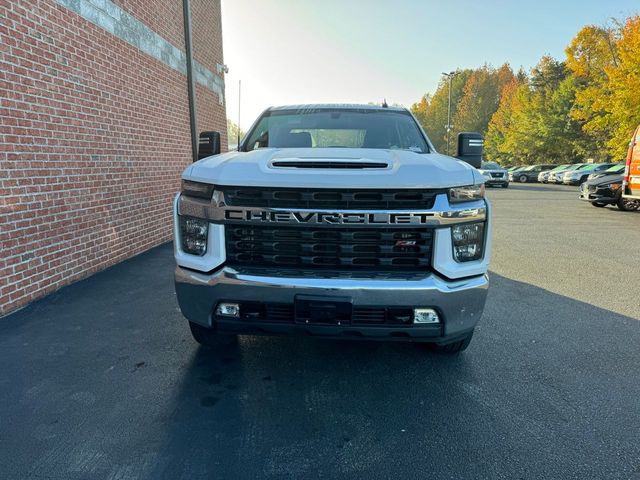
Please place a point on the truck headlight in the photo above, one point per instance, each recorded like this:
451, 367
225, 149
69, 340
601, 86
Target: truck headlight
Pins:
197, 189
468, 241
466, 194
194, 232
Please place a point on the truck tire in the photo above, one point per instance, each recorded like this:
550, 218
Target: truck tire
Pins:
209, 337
453, 348
505, 185
522, 179
598, 204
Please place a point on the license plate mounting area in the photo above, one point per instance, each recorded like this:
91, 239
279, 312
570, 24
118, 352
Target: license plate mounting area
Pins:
321, 310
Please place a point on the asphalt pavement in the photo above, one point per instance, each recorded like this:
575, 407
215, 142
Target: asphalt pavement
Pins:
102, 380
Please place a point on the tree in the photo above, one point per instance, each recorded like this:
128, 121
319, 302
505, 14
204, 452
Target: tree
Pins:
481, 97
431, 111
564, 139
623, 105
562, 111
421, 109
518, 145
591, 52
501, 126
233, 132
545, 114
533, 123
531, 120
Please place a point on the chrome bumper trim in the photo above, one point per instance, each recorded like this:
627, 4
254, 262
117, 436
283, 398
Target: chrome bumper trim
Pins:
461, 302
441, 214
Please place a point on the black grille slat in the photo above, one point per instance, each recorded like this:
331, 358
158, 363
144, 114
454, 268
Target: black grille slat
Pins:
369, 315
382, 248
329, 198
361, 236
329, 164
360, 315
279, 312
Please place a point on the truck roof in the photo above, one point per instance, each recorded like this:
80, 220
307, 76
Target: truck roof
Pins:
329, 106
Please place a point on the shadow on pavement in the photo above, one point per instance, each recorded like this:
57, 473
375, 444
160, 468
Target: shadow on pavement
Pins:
103, 381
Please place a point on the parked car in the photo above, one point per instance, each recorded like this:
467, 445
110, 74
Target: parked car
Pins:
543, 176
556, 177
528, 174
516, 169
631, 179
618, 168
494, 174
580, 175
607, 190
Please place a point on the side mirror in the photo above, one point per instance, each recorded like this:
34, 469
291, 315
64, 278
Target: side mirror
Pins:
470, 147
209, 144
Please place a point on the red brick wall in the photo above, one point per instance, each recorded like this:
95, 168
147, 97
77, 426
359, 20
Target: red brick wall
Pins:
94, 135
163, 17
208, 51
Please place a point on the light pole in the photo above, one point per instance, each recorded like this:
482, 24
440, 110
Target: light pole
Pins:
448, 126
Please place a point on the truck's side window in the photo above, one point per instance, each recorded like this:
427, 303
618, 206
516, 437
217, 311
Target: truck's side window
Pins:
262, 141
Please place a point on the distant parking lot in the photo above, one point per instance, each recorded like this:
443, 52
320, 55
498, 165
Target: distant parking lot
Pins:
102, 379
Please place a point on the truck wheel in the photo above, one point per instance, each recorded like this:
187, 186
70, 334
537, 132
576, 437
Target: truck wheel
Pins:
598, 204
453, 348
505, 185
522, 179
209, 337
628, 205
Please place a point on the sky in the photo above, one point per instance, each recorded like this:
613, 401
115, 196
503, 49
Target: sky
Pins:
359, 51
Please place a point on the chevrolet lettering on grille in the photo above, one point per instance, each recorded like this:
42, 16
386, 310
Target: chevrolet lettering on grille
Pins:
328, 218
436, 217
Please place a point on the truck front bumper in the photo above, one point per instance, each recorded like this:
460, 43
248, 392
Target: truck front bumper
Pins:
459, 303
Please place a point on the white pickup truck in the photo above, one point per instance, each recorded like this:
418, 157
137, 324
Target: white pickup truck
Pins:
337, 221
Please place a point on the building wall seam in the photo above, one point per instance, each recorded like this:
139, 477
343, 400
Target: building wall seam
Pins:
110, 17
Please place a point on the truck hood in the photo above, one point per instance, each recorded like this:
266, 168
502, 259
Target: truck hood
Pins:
396, 169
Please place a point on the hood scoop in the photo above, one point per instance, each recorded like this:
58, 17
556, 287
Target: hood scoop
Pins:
330, 164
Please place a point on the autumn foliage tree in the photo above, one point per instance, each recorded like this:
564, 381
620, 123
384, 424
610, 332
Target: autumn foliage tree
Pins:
432, 110
585, 106
623, 86
506, 128
480, 98
475, 95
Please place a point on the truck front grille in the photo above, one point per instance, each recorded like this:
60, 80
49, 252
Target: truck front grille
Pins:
338, 248
329, 198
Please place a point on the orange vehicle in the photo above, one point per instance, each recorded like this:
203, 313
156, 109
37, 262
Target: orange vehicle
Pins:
631, 179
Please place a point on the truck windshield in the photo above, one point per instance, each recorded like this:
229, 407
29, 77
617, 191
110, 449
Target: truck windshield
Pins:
337, 128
